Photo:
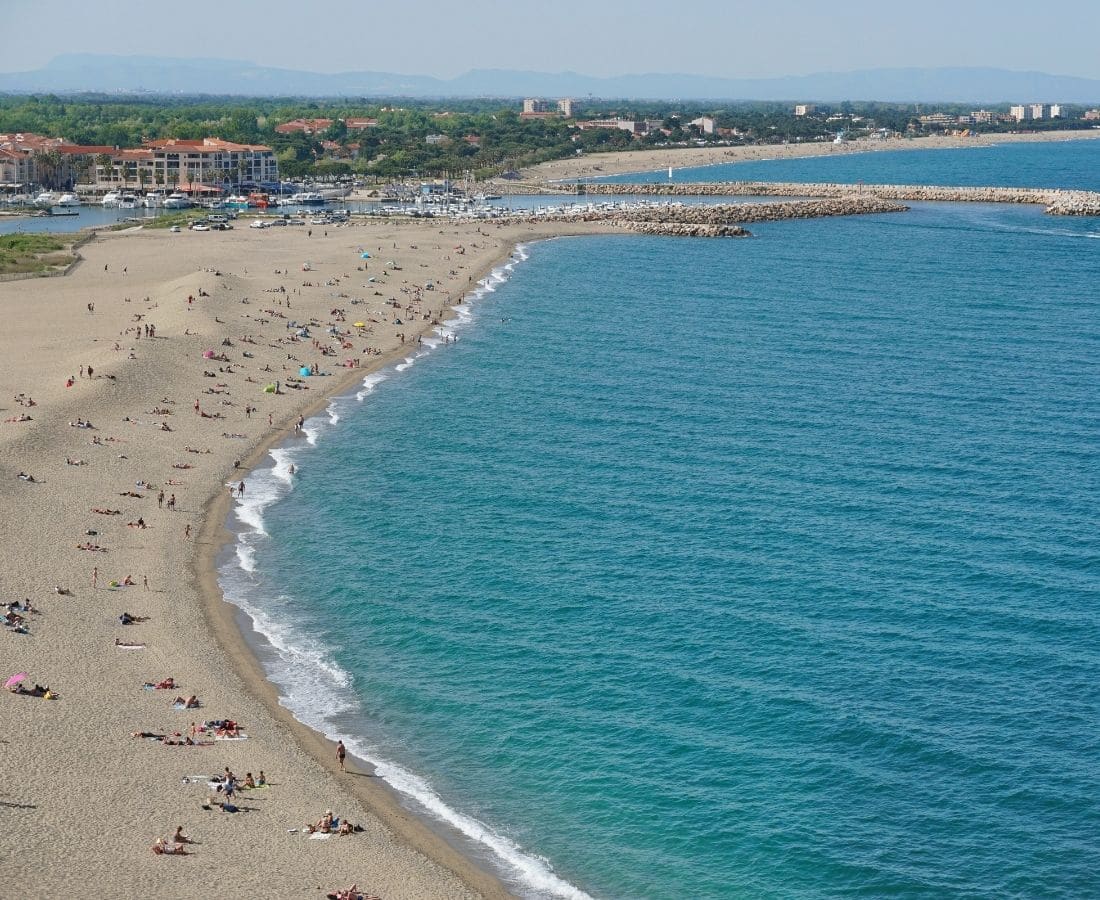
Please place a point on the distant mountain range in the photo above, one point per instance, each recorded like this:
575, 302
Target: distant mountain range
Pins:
131, 74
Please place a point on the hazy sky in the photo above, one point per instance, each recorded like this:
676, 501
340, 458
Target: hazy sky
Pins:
732, 38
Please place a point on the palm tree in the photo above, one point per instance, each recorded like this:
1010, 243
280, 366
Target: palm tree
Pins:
48, 165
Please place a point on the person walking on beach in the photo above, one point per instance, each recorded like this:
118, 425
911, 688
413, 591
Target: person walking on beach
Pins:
240, 489
341, 752
95, 576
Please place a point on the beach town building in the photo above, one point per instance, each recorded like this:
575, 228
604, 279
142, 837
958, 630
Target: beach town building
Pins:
534, 106
1091, 115
537, 108
1019, 113
304, 126
705, 124
805, 109
983, 117
939, 120
17, 169
634, 126
1036, 111
1056, 110
192, 166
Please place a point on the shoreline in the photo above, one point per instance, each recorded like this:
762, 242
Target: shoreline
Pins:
95, 806
227, 623
638, 162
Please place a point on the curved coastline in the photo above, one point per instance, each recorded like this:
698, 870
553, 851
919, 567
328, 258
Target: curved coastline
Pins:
98, 794
452, 838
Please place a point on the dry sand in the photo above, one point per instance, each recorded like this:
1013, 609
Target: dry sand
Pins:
624, 162
82, 800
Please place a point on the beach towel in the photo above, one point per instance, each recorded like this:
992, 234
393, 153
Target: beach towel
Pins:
319, 836
130, 647
242, 737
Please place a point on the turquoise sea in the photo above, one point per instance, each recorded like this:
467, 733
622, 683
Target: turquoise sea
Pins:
744, 568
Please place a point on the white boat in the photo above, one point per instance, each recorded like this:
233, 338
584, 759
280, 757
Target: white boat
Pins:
334, 193
176, 201
307, 197
46, 199
127, 201
154, 199
68, 200
111, 198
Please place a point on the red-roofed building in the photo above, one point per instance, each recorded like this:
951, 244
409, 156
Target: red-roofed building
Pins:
174, 162
306, 126
358, 124
17, 168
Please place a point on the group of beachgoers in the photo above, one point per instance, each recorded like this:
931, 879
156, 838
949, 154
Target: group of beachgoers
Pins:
290, 338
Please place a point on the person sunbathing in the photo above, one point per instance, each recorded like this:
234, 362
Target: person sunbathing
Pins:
346, 827
249, 782
140, 523
163, 847
168, 684
120, 643
180, 838
106, 512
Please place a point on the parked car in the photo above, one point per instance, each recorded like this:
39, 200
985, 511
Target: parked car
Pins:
199, 226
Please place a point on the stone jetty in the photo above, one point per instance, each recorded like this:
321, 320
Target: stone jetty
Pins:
1056, 202
714, 220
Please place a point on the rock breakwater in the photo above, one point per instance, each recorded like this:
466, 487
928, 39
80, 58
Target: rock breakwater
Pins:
1056, 202
717, 220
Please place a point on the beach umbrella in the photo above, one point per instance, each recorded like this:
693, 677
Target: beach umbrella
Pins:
360, 324
304, 371
269, 389
207, 354
15, 679
364, 256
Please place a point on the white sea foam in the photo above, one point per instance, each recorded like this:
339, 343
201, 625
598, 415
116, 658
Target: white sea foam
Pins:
313, 686
370, 382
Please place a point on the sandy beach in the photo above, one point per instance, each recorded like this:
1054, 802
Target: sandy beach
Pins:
145, 488
625, 162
